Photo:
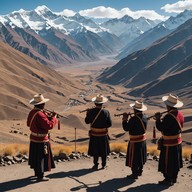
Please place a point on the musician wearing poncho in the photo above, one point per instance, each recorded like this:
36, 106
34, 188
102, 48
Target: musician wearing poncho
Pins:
170, 126
40, 154
136, 150
99, 120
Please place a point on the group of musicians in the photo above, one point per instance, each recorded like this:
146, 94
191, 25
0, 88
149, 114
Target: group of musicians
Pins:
170, 126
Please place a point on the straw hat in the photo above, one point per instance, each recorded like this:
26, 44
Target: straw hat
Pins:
38, 99
99, 99
138, 105
172, 101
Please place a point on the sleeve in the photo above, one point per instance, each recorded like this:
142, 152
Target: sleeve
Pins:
161, 124
44, 122
127, 124
88, 118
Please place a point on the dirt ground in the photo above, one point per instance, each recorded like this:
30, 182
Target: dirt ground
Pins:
76, 175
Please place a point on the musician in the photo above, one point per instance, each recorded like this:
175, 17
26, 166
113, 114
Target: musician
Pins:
99, 120
40, 154
136, 125
170, 126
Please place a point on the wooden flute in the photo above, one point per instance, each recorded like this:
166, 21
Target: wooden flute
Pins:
58, 115
118, 115
154, 115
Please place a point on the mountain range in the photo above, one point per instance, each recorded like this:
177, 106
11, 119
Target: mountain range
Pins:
159, 31
54, 39
161, 68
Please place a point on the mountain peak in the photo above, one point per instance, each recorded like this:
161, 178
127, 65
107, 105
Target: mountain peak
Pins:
77, 15
127, 19
19, 11
42, 9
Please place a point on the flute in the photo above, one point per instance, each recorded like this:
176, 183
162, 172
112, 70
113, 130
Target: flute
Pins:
86, 110
58, 115
154, 115
118, 115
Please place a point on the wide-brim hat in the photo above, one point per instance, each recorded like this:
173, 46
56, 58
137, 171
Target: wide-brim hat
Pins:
138, 105
99, 99
172, 101
38, 99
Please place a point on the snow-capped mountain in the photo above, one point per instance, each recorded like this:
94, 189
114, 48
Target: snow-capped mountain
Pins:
128, 28
159, 31
91, 38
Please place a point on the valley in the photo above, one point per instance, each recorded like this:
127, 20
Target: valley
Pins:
84, 76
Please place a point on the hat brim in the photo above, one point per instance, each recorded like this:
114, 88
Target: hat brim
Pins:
177, 105
144, 108
32, 102
94, 99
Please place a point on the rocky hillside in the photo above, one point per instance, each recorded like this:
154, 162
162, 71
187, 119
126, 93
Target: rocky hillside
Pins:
21, 77
161, 68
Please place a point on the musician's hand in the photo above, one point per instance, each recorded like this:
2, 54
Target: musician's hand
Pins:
125, 116
53, 114
157, 116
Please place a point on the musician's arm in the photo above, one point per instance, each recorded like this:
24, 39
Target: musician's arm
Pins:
45, 122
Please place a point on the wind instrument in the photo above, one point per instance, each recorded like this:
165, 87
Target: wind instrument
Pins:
118, 115
57, 114
154, 115
85, 110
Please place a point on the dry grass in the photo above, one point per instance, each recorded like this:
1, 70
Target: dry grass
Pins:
187, 152
15, 149
57, 149
118, 147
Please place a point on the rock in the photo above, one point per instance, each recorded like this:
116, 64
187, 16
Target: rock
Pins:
8, 158
121, 154
63, 156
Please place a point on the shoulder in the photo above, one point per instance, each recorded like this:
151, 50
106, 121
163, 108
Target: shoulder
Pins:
105, 110
41, 114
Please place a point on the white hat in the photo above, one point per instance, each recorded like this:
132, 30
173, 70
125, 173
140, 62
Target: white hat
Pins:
172, 101
138, 105
38, 99
99, 99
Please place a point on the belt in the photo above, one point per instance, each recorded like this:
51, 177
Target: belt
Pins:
39, 137
39, 134
137, 138
98, 131
172, 140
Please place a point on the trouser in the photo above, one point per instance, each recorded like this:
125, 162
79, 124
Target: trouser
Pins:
38, 173
137, 170
103, 159
171, 178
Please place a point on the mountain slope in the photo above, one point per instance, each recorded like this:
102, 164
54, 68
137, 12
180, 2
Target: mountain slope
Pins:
21, 77
164, 67
155, 33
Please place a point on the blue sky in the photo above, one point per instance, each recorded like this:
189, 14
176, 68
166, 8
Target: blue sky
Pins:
102, 8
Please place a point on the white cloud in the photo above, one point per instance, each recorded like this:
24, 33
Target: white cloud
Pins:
68, 12
108, 12
178, 7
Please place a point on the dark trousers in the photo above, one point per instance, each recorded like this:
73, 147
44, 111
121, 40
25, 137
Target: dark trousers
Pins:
171, 178
103, 159
137, 170
38, 173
